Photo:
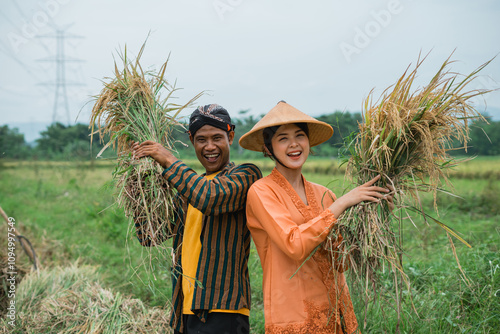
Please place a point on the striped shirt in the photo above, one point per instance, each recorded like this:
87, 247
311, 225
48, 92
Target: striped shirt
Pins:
225, 239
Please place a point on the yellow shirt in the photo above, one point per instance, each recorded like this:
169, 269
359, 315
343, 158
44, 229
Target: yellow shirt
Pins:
191, 248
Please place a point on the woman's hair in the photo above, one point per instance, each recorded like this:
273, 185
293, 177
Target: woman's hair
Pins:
269, 132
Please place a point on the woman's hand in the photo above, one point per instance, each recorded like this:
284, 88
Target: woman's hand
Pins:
390, 197
154, 150
366, 192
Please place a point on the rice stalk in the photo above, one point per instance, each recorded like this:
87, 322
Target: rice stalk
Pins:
405, 137
131, 108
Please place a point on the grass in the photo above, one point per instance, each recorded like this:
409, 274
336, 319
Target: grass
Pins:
66, 212
445, 301
71, 212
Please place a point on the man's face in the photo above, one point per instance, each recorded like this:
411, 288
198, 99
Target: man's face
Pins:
212, 145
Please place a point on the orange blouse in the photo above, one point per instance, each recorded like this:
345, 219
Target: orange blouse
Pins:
285, 231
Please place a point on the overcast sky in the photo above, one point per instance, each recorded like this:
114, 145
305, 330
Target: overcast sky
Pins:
319, 56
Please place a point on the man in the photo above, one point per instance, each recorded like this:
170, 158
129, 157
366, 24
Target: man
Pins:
211, 286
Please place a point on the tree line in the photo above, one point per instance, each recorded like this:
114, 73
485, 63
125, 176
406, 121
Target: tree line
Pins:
73, 142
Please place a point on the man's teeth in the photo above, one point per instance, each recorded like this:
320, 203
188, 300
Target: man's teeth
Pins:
212, 155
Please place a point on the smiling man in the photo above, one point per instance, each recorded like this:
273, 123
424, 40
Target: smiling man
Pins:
211, 286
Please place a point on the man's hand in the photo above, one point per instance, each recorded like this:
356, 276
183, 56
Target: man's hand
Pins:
154, 150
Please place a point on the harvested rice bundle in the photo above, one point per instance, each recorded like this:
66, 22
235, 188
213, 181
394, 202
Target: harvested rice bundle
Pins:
72, 299
130, 108
405, 138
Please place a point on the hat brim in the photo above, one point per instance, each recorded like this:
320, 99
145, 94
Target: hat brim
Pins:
282, 114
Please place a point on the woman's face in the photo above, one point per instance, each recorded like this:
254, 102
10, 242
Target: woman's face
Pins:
291, 146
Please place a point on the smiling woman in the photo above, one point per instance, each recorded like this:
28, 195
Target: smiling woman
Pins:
288, 218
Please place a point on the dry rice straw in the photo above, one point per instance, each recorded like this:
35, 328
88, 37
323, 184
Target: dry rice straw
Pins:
405, 137
130, 108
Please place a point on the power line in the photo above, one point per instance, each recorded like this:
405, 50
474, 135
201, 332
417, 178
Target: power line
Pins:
61, 96
5, 50
26, 19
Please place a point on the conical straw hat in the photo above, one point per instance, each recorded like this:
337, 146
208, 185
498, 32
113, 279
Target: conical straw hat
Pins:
283, 113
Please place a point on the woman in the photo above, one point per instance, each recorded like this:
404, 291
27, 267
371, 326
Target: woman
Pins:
288, 218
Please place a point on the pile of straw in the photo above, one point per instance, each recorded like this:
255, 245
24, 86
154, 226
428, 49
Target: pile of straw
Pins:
72, 300
405, 138
130, 108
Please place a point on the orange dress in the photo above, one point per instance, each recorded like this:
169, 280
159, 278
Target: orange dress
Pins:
285, 231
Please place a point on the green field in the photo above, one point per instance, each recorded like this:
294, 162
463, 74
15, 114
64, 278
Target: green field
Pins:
66, 211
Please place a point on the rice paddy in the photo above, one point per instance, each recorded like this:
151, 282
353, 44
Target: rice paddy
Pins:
66, 210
